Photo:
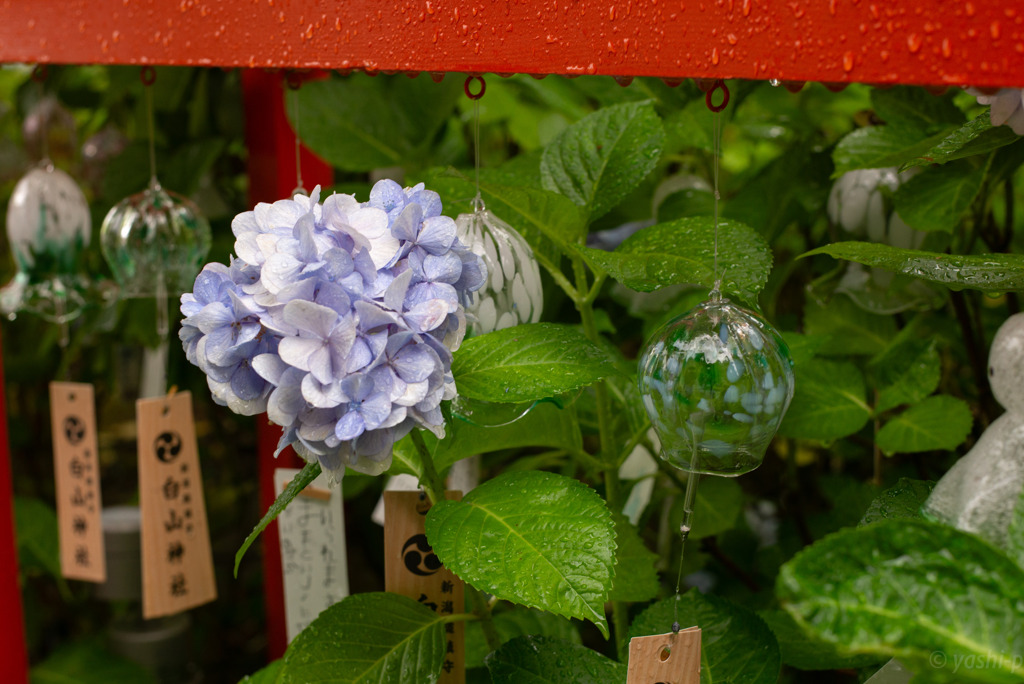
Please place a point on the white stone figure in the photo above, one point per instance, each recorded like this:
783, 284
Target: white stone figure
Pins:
980, 492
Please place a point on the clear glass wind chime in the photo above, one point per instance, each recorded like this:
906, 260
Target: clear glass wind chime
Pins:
155, 242
716, 381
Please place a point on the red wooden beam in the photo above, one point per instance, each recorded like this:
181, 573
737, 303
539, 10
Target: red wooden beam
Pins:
927, 42
271, 145
13, 651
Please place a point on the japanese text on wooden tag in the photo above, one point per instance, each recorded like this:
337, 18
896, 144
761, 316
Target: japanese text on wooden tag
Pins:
411, 569
177, 564
77, 470
672, 658
313, 556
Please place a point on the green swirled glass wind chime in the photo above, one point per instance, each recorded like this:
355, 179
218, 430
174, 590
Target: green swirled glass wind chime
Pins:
716, 381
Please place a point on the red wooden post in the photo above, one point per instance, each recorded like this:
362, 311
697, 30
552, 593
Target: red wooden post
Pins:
13, 651
271, 144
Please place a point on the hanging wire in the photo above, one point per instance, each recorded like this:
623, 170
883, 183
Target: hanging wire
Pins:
478, 201
148, 78
693, 477
39, 74
294, 81
716, 153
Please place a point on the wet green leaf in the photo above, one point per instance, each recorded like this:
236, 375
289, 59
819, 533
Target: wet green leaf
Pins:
985, 272
912, 589
847, 328
601, 158
938, 198
805, 652
538, 539
546, 660
939, 422
545, 425
359, 123
906, 373
528, 362
881, 146
683, 251
902, 500
828, 402
977, 136
736, 644
368, 639
915, 107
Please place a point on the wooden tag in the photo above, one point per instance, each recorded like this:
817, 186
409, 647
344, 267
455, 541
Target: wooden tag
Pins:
665, 658
177, 564
77, 470
313, 556
411, 569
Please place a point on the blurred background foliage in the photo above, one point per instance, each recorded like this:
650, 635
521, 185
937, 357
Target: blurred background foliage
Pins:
776, 173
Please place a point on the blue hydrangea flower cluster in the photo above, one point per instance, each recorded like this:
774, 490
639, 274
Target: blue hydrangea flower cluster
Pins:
337, 319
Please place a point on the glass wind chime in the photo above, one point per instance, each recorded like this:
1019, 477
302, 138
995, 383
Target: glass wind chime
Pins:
155, 242
512, 293
715, 381
48, 225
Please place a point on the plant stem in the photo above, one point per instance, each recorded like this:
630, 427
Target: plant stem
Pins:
431, 482
612, 494
482, 610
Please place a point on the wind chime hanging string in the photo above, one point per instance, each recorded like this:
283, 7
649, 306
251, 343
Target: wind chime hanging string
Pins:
715, 381
294, 81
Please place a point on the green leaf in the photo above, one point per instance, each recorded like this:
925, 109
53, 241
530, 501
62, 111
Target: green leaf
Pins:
1015, 533
600, 159
828, 402
736, 644
938, 198
271, 674
915, 107
545, 425
906, 373
985, 272
717, 506
528, 362
635, 577
551, 223
513, 622
848, 329
939, 422
546, 660
88, 662
534, 538
368, 638
683, 251
977, 136
308, 473
35, 525
358, 123
902, 500
910, 589
804, 652
880, 146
